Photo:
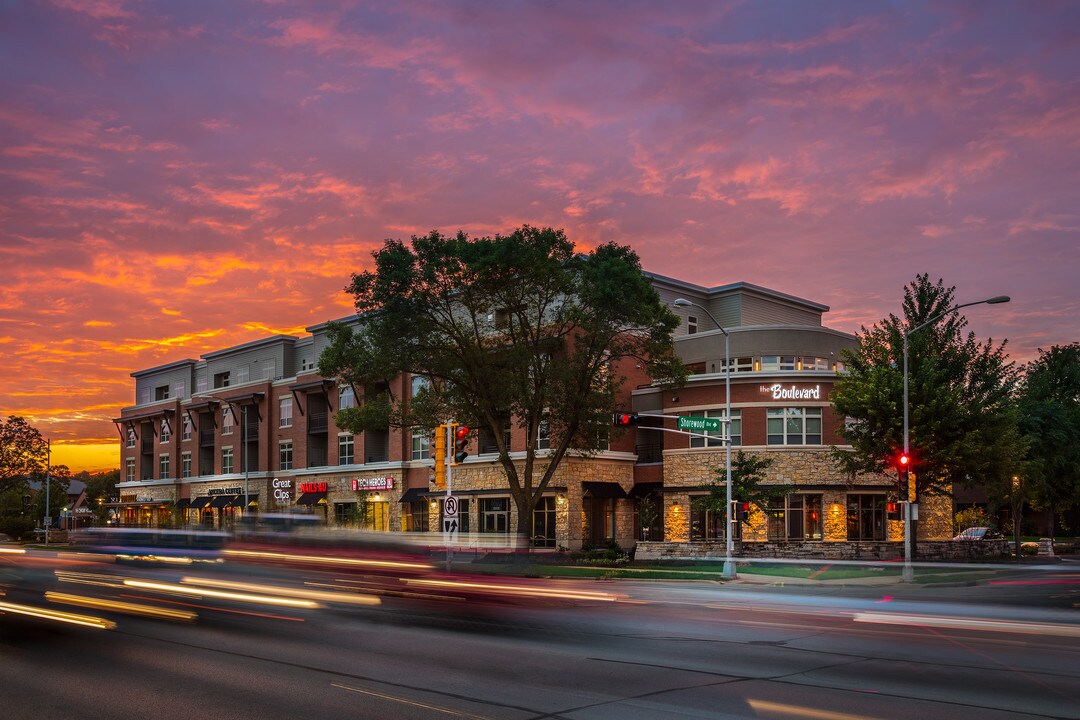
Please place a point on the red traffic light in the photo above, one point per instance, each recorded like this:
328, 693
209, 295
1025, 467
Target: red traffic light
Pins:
903, 460
624, 419
461, 444
462, 432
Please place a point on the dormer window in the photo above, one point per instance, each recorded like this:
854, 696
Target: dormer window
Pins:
161, 392
221, 380
691, 325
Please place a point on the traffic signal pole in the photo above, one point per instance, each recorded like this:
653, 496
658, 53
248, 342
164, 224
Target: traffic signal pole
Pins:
451, 429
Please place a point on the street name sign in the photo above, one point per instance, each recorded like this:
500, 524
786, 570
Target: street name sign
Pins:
700, 424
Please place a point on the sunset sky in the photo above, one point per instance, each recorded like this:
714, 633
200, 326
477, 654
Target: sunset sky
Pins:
180, 177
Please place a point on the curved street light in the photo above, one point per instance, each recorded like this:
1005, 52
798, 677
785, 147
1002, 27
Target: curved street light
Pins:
908, 574
729, 545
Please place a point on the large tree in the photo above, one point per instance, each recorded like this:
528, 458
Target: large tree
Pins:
962, 420
1050, 419
515, 326
22, 452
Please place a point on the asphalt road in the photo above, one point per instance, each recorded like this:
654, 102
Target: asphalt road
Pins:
633, 650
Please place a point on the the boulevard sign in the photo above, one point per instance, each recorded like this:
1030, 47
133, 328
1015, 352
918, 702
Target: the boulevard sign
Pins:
701, 424
779, 392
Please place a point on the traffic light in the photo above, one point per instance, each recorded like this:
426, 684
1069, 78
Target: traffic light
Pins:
438, 454
892, 510
742, 510
903, 465
622, 419
461, 444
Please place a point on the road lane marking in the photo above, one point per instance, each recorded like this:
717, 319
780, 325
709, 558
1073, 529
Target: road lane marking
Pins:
406, 701
803, 712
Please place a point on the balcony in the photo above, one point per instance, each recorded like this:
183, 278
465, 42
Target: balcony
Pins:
206, 437
318, 423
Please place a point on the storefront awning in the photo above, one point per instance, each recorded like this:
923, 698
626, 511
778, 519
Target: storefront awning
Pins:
200, 502
222, 501
415, 495
603, 490
183, 503
252, 499
311, 498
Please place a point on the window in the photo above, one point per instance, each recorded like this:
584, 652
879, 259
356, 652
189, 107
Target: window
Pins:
794, 426
543, 435
716, 439
421, 444
346, 397
419, 384
285, 455
795, 517
691, 325
226, 461
178, 389
866, 517
221, 380
166, 431
740, 364
242, 374
345, 450
227, 420
131, 437
163, 466
161, 392
285, 412
416, 519
129, 470
345, 513
200, 385
543, 523
188, 428
185, 465
769, 362
705, 524
813, 363
494, 515
268, 369
306, 364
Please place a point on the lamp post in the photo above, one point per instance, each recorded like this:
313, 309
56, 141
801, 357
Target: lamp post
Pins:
908, 574
729, 565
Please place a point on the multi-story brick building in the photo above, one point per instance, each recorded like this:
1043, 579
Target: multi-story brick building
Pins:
251, 429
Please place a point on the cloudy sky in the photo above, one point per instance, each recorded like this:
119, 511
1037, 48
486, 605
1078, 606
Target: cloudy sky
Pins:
179, 177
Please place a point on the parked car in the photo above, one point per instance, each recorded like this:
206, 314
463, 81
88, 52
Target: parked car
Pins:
979, 533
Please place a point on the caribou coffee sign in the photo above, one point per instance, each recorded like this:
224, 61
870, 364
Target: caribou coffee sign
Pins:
226, 491
383, 483
792, 392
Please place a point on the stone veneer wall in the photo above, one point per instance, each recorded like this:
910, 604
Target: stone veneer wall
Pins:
570, 521
816, 550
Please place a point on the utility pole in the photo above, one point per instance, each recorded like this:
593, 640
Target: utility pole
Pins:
48, 482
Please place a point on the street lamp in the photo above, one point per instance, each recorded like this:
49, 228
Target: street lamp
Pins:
908, 574
729, 564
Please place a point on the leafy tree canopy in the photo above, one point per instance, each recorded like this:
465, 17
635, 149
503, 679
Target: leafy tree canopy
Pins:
1050, 420
748, 484
22, 452
511, 326
962, 419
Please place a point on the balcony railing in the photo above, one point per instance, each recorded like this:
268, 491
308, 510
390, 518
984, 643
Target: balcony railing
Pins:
206, 437
650, 452
318, 423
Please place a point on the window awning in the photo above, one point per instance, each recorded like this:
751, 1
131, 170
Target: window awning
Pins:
222, 501
182, 503
603, 490
147, 415
200, 502
415, 495
646, 489
238, 501
311, 498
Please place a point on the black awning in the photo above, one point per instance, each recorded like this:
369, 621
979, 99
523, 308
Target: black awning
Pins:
415, 495
200, 502
182, 503
311, 498
603, 490
646, 489
238, 501
222, 501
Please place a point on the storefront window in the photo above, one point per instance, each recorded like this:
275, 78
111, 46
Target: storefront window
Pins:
865, 517
543, 524
416, 517
494, 515
796, 517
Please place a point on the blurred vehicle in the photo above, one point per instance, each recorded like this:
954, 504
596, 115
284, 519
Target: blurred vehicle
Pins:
153, 544
979, 533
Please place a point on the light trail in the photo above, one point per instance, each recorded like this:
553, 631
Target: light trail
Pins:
323, 595
221, 595
957, 623
57, 616
121, 607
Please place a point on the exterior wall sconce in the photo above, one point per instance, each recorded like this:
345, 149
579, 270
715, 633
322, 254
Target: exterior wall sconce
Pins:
560, 499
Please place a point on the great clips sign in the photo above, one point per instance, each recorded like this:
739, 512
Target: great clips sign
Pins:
282, 489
